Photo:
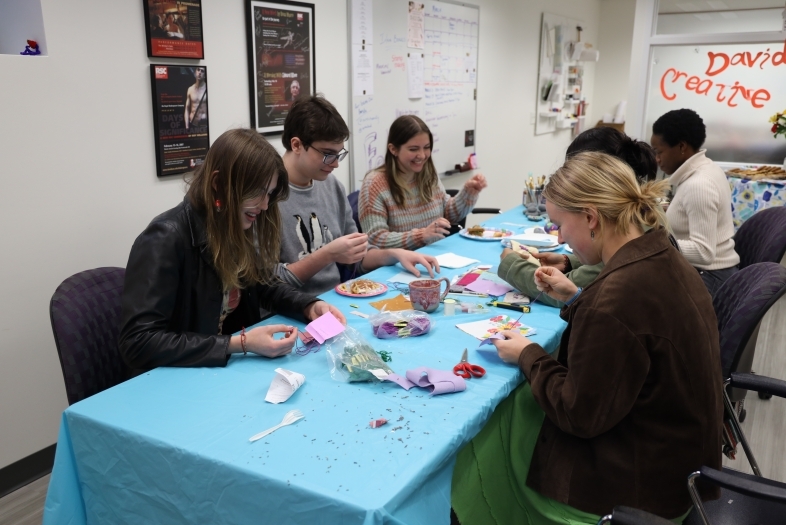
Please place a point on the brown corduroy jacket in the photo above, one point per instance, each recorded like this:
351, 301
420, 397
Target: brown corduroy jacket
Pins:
633, 402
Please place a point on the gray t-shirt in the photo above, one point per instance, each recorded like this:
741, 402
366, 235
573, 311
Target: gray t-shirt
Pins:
311, 218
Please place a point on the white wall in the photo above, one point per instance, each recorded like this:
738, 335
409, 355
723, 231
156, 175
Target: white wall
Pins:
79, 165
613, 69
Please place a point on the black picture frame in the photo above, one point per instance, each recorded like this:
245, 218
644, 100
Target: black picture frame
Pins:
174, 29
281, 60
180, 117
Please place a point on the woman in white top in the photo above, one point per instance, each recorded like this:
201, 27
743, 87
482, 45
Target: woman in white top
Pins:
700, 211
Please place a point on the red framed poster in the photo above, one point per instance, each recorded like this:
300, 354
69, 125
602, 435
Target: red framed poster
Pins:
174, 29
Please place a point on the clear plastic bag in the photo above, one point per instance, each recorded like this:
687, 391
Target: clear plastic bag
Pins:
352, 359
404, 323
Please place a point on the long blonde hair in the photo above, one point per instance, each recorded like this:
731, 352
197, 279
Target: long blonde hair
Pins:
593, 180
246, 165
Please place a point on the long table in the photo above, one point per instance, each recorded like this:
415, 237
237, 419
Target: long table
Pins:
171, 446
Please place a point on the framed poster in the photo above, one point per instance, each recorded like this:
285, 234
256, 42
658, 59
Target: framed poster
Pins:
281, 64
180, 117
174, 29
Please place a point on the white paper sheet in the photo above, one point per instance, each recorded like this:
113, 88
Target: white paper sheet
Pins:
404, 277
362, 70
284, 385
488, 327
415, 68
415, 25
362, 22
451, 260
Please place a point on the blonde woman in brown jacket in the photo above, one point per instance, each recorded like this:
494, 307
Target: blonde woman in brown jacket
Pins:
631, 405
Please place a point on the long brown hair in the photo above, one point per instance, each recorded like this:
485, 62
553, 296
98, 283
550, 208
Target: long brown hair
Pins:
246, 164
401, 131
596, 180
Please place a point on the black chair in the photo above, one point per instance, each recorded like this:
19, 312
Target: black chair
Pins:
353, 203
762, 238
85, 316
622, 515
740, 304
745, 498
455, 228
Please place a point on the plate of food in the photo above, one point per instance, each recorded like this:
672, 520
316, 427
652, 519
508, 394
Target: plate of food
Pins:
361, 288
480, 233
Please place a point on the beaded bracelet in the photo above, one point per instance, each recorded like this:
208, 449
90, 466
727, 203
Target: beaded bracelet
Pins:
243, 340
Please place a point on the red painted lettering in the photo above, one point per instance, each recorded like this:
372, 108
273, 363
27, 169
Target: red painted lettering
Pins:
663, 86
720, 92
712, 56
760, 94
692, 83
704, 91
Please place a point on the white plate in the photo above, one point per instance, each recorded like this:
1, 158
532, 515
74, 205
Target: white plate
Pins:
488, 234
535, 239
506, 244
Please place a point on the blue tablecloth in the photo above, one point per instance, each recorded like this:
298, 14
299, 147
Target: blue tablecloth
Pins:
171, 446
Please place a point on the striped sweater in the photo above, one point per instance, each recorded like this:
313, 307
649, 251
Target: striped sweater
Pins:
389, 225
700, 214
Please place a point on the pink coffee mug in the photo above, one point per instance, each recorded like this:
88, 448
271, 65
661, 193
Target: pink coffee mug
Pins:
425, 293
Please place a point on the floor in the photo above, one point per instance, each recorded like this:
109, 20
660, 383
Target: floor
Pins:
765, 421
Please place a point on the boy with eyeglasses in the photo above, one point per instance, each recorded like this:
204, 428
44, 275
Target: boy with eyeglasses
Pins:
318, 230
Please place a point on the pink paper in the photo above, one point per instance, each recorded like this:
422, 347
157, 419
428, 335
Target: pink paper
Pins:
488, 287
435, 381
325, 327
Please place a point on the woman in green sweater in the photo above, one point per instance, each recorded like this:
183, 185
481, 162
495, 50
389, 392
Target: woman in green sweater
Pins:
518, 269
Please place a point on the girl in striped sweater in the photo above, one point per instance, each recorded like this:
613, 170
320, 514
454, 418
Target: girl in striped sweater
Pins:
402, 203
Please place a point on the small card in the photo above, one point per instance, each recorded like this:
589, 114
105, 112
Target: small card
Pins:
325, 327
284, 385
451, 260
489, 287
487, 328
469, 278
403, 277
393, 305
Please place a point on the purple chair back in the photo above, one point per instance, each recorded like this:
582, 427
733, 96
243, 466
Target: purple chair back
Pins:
85, 315
762, 238
740, 303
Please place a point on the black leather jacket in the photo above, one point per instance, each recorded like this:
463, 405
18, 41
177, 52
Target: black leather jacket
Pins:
172, 298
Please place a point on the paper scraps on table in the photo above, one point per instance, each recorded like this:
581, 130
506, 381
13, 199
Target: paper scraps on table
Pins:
516, 298
493, 278
488, 287
403, 277
360, 314
435, 381
468, 278
393, 305
324, 327
451, 260
378, 422
284, 385
484, 329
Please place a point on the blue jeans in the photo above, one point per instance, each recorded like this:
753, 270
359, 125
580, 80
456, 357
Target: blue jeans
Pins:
713, 279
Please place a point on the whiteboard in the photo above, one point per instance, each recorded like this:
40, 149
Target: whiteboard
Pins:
379, 56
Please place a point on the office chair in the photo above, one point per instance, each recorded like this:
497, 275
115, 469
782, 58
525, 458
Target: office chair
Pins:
740, 304
85, 316
353, 203
455, 228
745, 498
622, 515
762, 238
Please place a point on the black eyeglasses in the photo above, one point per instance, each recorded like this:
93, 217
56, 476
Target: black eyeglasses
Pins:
330, 158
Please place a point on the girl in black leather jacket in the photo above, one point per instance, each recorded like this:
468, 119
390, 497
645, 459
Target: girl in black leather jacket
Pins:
203, 269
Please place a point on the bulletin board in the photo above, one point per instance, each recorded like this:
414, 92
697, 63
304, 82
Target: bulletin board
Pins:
418, 58
559, 74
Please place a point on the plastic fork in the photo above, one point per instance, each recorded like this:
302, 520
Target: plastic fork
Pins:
289, 418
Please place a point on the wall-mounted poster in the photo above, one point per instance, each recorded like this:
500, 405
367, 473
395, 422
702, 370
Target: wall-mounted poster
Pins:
180, 117
174, 29
281, 63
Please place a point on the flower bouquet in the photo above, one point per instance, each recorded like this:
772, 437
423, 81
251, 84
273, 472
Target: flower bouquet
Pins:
778, 124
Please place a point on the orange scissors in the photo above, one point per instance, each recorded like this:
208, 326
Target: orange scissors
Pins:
466, 370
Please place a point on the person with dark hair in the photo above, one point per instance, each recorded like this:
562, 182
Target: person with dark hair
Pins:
519, 268
402, 203
635, 153
201, 271
700, 211
319, 233
631, 403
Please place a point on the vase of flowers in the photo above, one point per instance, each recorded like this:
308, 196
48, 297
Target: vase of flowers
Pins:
778, 121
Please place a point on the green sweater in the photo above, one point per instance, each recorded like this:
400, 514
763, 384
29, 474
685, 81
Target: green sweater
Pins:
520, 274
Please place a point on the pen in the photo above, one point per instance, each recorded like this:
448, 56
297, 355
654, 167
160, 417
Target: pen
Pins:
509, 306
